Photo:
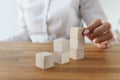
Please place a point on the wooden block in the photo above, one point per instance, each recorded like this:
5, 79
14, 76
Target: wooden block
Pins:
44, 60
76, 54
61, 45
61, 58
76, 44
76, 33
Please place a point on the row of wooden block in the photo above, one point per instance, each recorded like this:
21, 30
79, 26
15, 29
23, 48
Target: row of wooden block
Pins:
63, 50
76, 43
76, 50
46, 60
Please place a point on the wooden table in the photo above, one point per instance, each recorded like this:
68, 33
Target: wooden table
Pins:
17, 62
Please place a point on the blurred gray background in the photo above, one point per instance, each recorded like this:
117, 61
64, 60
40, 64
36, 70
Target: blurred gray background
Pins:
9, 24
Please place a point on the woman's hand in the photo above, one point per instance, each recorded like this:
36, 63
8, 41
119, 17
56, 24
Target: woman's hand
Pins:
100, 33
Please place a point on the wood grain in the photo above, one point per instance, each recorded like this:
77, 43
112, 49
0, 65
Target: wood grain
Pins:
17, 62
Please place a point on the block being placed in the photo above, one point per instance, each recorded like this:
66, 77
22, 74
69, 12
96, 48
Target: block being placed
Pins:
76, 44
61, 58
76, 54
76, 33
44, 60
61, 45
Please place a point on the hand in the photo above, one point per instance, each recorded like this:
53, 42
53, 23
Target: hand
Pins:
100, 33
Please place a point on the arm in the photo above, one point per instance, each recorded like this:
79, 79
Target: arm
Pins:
23, 34
91, 10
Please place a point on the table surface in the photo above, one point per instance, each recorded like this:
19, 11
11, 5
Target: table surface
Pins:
17, 62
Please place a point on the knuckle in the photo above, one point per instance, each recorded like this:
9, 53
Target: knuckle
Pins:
97, 32
109, 36
99, 21
107, 25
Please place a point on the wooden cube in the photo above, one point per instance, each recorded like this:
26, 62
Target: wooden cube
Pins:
61, 45
44, 60
76, 54
76, 33
76, 44
61, 58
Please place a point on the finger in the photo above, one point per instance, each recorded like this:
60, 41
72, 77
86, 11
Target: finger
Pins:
106, 37
88, 31
102, 29
104, 45
94, 25
90, 36
99, 31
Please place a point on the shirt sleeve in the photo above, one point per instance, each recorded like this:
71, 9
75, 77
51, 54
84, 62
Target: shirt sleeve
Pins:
91, 10
22, 35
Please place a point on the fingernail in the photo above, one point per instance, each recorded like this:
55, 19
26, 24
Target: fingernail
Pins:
94, 41
86, 32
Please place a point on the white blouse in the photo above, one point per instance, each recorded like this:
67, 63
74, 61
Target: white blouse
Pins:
46, 20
